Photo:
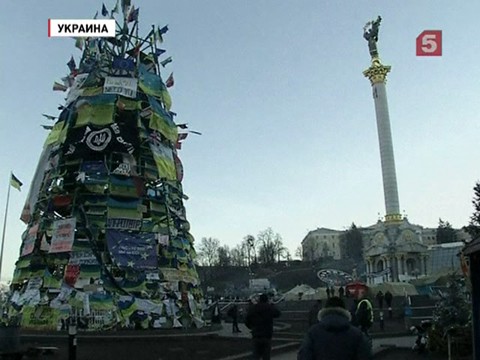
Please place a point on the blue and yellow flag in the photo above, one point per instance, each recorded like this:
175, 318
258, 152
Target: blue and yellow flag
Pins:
17, 184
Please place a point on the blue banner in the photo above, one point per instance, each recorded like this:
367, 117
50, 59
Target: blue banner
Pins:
132, 250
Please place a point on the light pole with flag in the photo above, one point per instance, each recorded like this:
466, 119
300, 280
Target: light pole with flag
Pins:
17, 184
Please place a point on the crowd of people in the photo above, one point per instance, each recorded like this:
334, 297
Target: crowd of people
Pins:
335, 332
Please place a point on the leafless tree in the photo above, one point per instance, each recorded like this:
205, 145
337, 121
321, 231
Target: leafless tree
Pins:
208, 251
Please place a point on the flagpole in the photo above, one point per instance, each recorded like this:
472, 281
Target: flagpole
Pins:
4, 226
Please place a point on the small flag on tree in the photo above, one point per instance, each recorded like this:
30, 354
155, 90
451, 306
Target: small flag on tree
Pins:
71, 64
170, 81
123, 64
166, 61
49, 117
59, 87
115, 10
160, 31
133, 16
159, 52
163, 30
79, 42
104, 10
17, 184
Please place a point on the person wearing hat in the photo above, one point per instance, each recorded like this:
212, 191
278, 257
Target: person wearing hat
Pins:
260, 321
333, 337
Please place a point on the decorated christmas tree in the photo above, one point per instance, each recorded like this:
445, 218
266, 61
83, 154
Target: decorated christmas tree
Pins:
107, 240
452, 317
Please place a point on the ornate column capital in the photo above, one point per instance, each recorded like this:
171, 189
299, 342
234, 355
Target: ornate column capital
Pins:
377, 73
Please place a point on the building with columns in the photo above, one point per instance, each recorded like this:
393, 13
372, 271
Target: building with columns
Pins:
395, 251
415, 254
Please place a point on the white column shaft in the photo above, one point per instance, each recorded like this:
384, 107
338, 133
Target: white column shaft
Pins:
390, 189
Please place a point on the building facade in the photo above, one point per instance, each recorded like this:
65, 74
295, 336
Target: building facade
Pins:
322, 243
413, 253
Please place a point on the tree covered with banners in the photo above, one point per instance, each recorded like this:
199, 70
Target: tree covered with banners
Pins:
107, 240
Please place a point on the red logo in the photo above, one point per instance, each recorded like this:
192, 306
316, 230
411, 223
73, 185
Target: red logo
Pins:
429, 43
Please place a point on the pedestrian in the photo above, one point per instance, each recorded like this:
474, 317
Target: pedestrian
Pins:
388, 300
233, 313
328, 292
341, 292
260, 321
216, 318
353, 310
313, 313
380, 298
332, 291
364, 314
333, 337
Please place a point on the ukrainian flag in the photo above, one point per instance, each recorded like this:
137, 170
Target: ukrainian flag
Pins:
17, 184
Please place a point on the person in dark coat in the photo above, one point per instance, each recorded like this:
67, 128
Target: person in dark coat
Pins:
334, 338
341, 292
388, 300
313, 313
380, 298
259, 320
233, 313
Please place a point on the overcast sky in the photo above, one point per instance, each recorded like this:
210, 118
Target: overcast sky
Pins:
276, 87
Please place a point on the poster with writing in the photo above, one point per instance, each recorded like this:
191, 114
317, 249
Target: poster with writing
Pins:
121, 86
63, 235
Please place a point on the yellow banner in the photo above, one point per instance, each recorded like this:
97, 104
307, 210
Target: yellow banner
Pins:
40, 318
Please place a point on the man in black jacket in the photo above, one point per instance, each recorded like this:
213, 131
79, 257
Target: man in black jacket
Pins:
334, 338
260, 321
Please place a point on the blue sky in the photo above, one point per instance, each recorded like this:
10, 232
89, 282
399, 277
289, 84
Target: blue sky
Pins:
276, 87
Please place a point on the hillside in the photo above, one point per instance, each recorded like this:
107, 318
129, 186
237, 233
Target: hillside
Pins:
233, 281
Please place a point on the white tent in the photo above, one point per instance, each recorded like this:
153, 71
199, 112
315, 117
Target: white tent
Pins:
308, 293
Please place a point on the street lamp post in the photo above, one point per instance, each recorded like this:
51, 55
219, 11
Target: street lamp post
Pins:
250, 240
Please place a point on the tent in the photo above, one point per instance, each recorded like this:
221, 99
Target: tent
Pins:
307, 293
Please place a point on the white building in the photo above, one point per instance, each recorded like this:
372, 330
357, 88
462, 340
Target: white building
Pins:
322, 243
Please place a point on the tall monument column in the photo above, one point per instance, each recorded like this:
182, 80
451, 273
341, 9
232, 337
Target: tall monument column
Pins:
377, 74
